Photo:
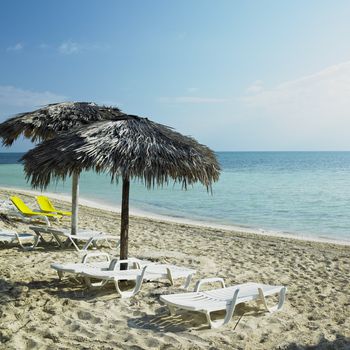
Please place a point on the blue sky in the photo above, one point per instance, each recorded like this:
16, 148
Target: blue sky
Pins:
237, 75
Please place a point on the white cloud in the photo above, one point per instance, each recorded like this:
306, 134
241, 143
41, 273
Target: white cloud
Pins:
11, 96
17, 47
323, 95
192, 99
256, 86
69, 47
311, 112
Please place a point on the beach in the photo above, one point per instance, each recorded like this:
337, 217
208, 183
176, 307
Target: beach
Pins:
40, 312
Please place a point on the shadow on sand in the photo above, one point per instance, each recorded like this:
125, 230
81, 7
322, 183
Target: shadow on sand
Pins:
339, 343
183, 320
68, 288
17, 291
161, 321
9, 292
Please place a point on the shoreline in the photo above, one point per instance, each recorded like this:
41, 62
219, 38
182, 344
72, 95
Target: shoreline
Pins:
154, 216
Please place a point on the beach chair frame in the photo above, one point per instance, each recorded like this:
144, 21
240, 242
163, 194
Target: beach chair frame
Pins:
225, 298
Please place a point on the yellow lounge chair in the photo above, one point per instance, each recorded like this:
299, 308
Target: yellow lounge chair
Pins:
27, 212
47, 207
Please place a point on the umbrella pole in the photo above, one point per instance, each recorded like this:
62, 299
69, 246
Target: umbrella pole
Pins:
75, 193
124, 225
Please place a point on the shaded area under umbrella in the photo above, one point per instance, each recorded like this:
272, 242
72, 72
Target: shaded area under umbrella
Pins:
128, 148
51, 120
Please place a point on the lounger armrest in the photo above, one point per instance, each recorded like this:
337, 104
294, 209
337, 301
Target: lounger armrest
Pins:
87, 256
209, 280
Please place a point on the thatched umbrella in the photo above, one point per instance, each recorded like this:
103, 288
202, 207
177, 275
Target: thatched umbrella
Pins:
129, 147
48, 121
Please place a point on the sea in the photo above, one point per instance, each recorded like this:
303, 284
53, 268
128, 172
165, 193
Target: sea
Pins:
302, 194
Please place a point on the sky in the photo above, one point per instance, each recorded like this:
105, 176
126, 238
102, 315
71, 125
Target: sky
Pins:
236, 75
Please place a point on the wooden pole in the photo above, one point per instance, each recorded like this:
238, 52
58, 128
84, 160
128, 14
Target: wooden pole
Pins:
124, 225
75, 194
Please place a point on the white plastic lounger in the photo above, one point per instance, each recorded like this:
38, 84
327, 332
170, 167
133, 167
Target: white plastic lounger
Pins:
151, 271
26, 241
225, 298
64, 238
106, 263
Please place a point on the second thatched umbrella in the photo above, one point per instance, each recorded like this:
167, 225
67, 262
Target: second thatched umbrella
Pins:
130, 147
48, 121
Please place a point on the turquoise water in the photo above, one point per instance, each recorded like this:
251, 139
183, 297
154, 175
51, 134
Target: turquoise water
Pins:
303, 193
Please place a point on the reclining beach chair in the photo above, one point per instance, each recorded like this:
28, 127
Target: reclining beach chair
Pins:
25, 211
151, 271
64, 238
89, 262
225, 298
26, 241
46, 206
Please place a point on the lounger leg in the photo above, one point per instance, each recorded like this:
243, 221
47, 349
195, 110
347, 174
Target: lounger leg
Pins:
39, 238
131, 292
172, 310
60, 275
170, 276
74, 244
230, 309
58, 240
28, 247
46, 219
87, 282
187, 282
279, 305
36, 241
108, 244
171, 279
124, 294
87, 244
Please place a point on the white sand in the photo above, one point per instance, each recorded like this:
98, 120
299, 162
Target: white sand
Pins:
39, 312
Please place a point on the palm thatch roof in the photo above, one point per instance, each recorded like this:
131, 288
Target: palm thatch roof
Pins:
130, 147
46, 122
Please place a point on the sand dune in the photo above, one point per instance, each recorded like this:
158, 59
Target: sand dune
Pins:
39, 312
